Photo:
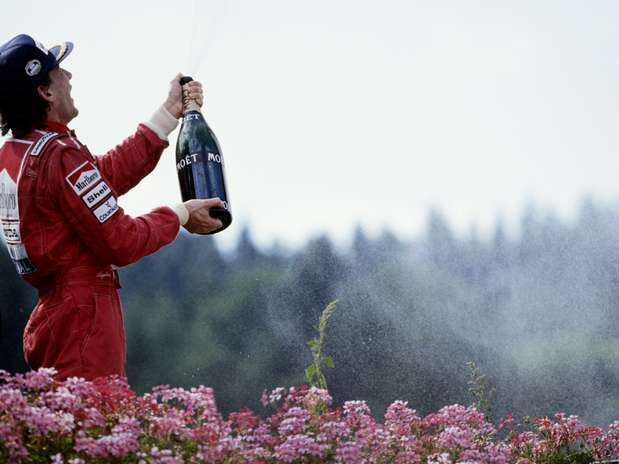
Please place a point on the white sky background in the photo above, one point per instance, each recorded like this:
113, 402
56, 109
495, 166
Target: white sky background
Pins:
335, 113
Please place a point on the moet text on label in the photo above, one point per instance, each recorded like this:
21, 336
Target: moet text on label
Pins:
186, 161
194, 157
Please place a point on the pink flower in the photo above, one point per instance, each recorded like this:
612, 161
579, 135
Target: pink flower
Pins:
41, 420
400, 419
261, 435
244, 421
61, 399
274, 397
316, 397
264, 399
38, 380
455, 437
105, 421
457, 415
163, 456
608, 447
442, 458
296, 447
172, 424
357, 414
333, 431
12, 399
348, 453
294, 421
356, 408
122, 442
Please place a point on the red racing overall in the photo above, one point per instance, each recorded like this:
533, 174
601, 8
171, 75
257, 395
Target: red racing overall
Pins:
64, 231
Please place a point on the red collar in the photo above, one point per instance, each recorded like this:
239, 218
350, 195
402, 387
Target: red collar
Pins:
55, 126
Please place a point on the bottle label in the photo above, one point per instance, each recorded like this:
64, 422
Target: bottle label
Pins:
216, 157
187, 160
195, 158
191, 116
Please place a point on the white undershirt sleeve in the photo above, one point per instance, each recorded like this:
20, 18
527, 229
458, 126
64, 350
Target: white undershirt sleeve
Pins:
162, 123
182, 212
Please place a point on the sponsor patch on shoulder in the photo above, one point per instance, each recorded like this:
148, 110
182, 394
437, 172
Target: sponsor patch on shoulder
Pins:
98, 193
39, 145
83, 177
106, 210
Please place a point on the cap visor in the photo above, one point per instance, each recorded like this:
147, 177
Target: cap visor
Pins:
61, 51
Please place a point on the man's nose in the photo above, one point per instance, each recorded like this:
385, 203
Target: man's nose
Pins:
68, 74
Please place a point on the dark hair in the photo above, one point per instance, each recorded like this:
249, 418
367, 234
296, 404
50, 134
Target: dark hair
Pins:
23, 110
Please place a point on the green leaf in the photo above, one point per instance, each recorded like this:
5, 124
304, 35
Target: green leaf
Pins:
322, 381
313, 373
310, 372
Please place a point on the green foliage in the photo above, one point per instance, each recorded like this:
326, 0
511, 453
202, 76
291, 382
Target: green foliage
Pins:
479, 390
580, 457
41, 448
536, 312
313, 373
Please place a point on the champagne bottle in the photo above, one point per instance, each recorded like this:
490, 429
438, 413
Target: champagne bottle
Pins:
199, 161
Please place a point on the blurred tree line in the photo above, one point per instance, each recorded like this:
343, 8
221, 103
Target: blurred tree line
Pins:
538, 314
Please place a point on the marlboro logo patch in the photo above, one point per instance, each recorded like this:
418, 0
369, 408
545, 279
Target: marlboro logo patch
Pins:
106, 210
98, 193
84, 177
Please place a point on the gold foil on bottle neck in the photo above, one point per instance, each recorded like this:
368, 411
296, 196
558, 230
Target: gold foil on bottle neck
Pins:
189, 104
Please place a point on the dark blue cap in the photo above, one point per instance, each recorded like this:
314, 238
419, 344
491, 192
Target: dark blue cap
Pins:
25, 62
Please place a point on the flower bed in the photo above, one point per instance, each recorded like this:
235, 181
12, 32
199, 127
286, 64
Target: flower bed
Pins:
77, 421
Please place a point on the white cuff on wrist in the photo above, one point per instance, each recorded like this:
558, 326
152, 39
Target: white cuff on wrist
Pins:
182, 212
162, 123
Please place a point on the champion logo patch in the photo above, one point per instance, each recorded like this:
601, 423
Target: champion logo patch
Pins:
98, 193
84, 177
106, 210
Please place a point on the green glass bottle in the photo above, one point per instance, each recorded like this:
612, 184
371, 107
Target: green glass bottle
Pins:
199, 161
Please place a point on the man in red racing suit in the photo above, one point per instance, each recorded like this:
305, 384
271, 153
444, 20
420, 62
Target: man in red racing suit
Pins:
60, 215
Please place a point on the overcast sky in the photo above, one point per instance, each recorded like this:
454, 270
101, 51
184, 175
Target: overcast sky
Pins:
337, 113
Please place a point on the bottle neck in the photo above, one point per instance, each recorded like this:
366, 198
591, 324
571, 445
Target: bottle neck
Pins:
190, 105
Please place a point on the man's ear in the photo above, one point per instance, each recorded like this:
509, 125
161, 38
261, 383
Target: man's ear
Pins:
44, 93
